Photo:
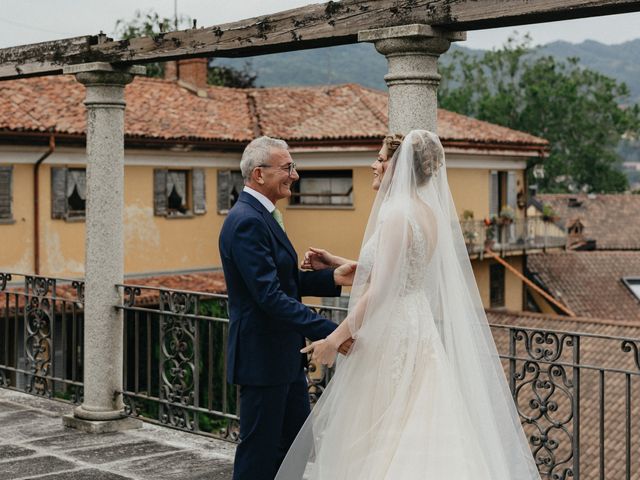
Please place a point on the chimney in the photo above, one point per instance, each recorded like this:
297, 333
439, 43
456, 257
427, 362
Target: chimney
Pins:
191, 71
171, 70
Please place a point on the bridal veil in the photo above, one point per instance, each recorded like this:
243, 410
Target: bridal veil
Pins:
397, 408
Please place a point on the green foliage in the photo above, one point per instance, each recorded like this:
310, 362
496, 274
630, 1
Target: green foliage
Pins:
548, 212
231, 77
507, 214
150, 24
576, 109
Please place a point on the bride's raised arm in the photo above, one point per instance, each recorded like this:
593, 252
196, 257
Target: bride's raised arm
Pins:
377, 282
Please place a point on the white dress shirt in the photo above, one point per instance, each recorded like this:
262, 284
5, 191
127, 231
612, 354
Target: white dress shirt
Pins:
261, 198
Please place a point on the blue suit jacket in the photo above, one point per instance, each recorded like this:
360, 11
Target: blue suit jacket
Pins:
267, 321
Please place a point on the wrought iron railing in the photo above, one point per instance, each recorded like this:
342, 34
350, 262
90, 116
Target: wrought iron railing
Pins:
175, 360
578, 394
523, 234
41, 335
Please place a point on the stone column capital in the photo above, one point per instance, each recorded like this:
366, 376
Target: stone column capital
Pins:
412, 52
105, 82
106, 69
405, 39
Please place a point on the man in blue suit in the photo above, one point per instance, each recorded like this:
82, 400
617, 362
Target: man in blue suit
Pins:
267, 321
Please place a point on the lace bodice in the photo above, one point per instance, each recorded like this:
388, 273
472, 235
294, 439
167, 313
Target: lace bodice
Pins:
419, 253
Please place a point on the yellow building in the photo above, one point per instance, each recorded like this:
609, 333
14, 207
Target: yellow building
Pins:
183, 146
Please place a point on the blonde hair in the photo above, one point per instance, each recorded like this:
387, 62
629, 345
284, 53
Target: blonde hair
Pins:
393, 143
428, 154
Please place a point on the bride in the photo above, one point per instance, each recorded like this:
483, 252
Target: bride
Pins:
422, 393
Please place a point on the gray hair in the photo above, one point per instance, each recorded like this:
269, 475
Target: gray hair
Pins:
258, 153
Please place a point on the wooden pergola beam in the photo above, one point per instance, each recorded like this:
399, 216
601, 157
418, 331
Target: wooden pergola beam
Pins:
312, 26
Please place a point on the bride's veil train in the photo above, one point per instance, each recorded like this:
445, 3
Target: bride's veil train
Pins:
422, 394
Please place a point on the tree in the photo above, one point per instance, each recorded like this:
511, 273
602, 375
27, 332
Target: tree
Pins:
149, 24
578, 110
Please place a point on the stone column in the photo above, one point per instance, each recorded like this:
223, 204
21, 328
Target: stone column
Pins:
101, 410
412, 52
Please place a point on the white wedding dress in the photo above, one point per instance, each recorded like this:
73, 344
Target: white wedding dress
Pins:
422, 394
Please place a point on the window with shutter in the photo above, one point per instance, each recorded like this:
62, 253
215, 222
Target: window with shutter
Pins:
6, 193
179, 193
329, 188
68, 193
230, 184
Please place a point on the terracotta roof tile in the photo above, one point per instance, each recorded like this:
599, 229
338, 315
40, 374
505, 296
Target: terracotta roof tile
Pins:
589, 283
201, 282
613, 220
594, 351
159, 109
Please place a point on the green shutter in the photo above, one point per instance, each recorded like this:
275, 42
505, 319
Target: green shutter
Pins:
199, 193
494, 193
5, 193
160, 191
58, 192
224, 186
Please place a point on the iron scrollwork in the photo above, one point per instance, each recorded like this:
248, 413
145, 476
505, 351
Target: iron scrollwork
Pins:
38, 314
631, 346
78, 286
130, 295
544, 396
178, 371
4, 279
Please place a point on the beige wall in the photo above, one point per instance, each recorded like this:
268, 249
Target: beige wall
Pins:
470, 190
155, 244
16, 239
513, 285
61, 242
151, 243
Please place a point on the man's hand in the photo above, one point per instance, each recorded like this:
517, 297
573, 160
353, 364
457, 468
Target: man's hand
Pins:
318, 259
344, 274
346, 346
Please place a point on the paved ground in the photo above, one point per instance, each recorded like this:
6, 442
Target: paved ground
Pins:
34, 444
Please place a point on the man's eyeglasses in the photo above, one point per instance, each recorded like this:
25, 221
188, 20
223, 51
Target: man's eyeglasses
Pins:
289, 167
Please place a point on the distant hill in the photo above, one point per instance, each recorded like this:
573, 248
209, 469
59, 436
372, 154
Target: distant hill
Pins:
360, 63
621, 62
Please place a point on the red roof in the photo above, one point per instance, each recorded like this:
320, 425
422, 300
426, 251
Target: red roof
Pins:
612, 220
590, 283
161, 109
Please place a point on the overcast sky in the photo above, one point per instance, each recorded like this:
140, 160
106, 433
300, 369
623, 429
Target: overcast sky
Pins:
29, 21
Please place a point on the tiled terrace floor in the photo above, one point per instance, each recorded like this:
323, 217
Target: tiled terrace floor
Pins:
34, 444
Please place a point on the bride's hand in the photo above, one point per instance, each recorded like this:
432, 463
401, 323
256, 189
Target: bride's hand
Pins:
324, 352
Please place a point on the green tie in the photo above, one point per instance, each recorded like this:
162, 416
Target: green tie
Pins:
278, 217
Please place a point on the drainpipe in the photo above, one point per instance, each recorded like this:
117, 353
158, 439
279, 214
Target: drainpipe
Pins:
36, 204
